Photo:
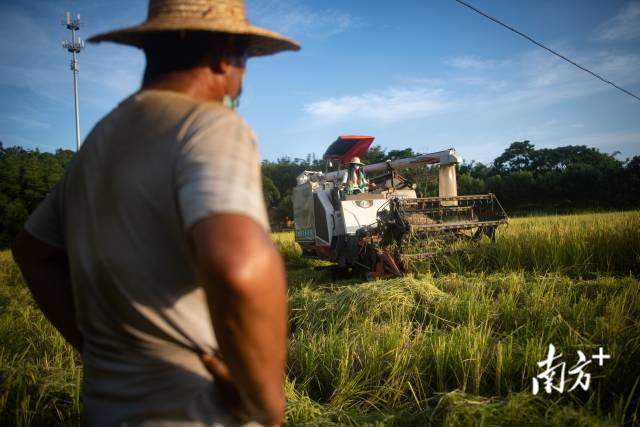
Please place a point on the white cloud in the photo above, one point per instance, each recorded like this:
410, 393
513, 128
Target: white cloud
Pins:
122, 65
606, 141
296, 19
469, 62
488, 83
537, 78
390, 105
624, 26
29, 123
624, 68
30, 54
532, 80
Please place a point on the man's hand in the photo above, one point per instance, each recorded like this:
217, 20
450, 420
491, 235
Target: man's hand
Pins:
46, 271
246, 290
228, 391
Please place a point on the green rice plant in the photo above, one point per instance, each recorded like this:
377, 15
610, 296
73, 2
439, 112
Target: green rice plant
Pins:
9, 273
39, 372
479, 334
579, 245
291, 251
456, 343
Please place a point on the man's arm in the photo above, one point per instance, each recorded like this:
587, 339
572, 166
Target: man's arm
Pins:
246, 290
46, 271
344, 176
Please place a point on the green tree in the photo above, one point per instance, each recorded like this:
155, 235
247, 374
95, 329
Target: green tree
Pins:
519, 156
399, 154
271, 192
25, 179
469, 185
632, 177
548, 159
375, 154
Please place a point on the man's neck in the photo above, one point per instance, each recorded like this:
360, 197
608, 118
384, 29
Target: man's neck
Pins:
199, 83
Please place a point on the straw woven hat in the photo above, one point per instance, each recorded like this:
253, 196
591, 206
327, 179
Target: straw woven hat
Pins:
356, 161
223, 16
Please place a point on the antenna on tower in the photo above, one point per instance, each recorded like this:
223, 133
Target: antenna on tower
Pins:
74, 46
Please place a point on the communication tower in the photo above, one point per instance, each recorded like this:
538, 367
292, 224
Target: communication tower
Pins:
74, 46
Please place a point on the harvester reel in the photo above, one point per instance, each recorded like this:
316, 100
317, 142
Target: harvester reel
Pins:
432, 227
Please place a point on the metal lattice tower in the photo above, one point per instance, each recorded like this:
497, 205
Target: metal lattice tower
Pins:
74, 46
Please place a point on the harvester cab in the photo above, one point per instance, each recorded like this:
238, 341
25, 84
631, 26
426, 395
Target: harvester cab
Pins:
380, 231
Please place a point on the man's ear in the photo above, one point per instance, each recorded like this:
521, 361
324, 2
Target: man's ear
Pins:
225, 66
219, 65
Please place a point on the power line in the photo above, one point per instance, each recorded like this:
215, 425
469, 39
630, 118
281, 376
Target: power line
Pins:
548, 49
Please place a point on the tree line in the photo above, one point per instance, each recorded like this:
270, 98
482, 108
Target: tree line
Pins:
574, 177
525, 179
26, 177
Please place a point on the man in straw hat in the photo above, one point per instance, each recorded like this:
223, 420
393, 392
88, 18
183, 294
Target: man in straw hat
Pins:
157, 236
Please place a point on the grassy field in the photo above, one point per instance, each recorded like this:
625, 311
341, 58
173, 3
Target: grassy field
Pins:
455, 343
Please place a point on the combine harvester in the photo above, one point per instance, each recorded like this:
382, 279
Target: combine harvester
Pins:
379, 232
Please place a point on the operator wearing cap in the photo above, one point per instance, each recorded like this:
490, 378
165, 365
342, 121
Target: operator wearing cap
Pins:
152, 255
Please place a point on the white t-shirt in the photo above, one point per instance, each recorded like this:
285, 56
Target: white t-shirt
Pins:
147, 172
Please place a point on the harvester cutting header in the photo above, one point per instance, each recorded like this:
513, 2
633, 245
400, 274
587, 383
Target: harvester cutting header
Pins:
369, 219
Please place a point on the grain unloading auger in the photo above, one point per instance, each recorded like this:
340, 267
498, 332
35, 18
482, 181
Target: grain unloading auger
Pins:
383, 229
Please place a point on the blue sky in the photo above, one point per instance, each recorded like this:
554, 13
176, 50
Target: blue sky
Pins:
425, 74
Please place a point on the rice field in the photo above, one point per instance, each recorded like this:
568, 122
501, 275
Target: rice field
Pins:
455, 343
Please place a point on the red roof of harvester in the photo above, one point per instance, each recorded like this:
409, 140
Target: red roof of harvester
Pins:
346, 147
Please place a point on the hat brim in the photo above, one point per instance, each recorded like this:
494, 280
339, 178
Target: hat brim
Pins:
261, 41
